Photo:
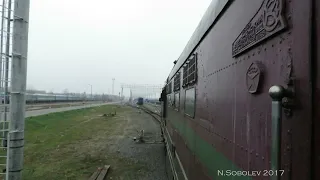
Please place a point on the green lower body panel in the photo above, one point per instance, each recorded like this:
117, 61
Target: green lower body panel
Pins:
215, 163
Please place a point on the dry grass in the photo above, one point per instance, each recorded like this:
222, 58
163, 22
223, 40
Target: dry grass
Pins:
72, 144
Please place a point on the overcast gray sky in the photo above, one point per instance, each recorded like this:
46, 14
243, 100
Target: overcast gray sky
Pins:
73, 43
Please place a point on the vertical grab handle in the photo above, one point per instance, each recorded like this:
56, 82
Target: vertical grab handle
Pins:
277, 93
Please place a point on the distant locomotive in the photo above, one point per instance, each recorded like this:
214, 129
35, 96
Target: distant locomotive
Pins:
140, 101
244, 94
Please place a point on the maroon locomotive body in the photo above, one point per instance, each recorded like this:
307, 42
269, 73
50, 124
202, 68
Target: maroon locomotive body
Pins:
242, 101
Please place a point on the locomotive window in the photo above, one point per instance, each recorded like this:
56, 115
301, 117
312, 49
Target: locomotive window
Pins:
176, 101
170, 100
190, 71
185, 75
177, 82
189, 104
169, 88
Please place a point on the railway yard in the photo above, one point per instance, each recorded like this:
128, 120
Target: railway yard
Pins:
112, 94
72, 142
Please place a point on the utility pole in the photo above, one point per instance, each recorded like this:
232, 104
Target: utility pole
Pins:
18, 88
4, 84
113, 86
121, 92
91, 91
1, 43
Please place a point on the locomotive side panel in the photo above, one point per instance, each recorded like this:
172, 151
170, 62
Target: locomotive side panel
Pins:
242, 119
231, 129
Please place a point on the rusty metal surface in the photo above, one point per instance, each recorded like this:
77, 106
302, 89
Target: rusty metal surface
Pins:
234, 121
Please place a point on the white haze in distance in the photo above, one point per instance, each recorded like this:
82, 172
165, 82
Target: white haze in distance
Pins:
73, 43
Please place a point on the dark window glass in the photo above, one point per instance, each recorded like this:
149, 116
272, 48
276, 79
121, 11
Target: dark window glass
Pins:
177, 100
169, 88
169, 100
177, 82
185, 75
189, 104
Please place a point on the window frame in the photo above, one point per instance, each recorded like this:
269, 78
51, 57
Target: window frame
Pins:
190, 70
169, 98
169, 87
175, 101
194, 104
177, 82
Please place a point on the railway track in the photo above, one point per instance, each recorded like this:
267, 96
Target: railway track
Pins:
176, 168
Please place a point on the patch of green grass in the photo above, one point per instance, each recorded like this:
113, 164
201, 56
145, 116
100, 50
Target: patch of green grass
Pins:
71, 145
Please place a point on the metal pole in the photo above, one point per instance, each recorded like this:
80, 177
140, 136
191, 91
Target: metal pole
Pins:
277, 93
1, 43
18, 89
121, 93
3, 134
7, 59
113, 86
91, 92
6, 69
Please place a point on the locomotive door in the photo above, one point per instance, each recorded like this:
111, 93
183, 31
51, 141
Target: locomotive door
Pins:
279, 90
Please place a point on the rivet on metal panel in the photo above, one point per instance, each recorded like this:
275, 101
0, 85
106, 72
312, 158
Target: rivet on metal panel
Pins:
288, 131
288, 148
262, 158
257, 154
